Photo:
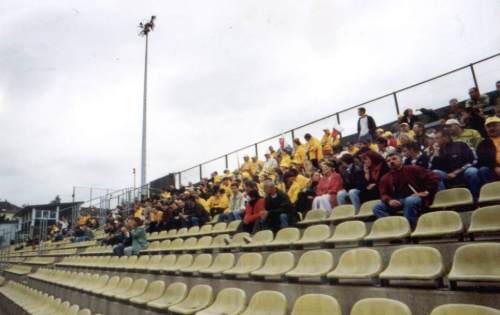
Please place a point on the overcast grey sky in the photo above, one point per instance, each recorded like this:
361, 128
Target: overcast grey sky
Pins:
223, 74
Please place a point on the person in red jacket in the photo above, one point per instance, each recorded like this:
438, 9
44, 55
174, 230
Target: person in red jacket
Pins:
253, 209
407, 187
327, 188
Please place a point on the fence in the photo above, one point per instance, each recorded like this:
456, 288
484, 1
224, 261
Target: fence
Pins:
432, 93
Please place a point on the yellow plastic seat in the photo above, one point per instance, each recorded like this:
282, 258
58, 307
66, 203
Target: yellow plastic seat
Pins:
120, 263
101, 282
222, 262
172, 234
219, 228
153, 236
215, 219
260, 238
452, 198
485, 220
183, 261
154, 264
267, 303
137, 288
476, 263
342, 212
203, 243
200, 262
313, 216
181, 232
130, 263
317, 304
490, 193
285, 237
199, 297
238, 240
357, 263
205, 229
246, 263
164, 246
121, 287
175, 244
349, 231
233, 226
188, 244
229, 301
366, 210
314, 235
219, 241
389, 228
142, 263
414, 263
380, 306
314, 263
174, 294
438, 224
464, 309
167, 263
162, 235
193, 230
276, 265
152, 247
153, 292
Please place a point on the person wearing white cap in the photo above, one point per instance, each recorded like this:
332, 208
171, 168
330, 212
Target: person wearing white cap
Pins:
488, 152
469, 136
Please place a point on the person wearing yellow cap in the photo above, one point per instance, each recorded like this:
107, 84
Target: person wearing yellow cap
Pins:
488, 152
313, 150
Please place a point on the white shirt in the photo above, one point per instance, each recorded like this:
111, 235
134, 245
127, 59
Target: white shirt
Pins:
363, 126
270, 164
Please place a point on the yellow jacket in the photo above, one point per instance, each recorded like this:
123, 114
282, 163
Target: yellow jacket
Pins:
314, 149
297, 186
286, 161
248, 166
327, 143
203, 203
299, 154
218, 202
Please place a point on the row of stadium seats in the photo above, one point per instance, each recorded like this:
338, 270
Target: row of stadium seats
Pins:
473, 262
207, 229
18, 270
201, 300
36, 302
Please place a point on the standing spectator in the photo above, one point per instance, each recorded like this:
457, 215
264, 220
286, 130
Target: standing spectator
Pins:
299, 153
366, 125
327, 143
453, 163
477, 100
470, 137
413, 155
405, 187
488, 152
374, 167
313, 150
409, 118
278, 211
326, 191
353, 179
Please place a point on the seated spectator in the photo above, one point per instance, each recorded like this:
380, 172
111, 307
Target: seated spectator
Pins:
248, 165
285, 158
253, 208
236, 205
405, 134
420, 135
470, 137
278, 211
295, 183
488, 152
412, 155
306, 196
392, 141
473, 119
374, 167
135, 239
270, 164
384, 148
83, 233
218, 203
353, 179
408, 118
259, 165
314, 151
405, 187
453, 162
379, 133
328, 186
477, 100
194, 214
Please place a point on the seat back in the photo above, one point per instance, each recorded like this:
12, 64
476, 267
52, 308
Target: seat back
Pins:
204, 242
184, 261
350, 230
142, 262
380, 306
389, 226
123, 286
200, 294
223, 261
176, 244
441, 222
262, 237
287, 235
165, 244
219, 240
366, 209
219, 227
464, 309
452, 196
175, 292
489, 192
154, 290
359, 261
316, 233
485, 219
279, 262
228, 301
190, 242
315, 261
138, 287
315, 214
202, 261
168, 260
233, 226
477, 260
268, 303
249, 262
317, 304
193, 230
342, 212
172, 233
155, 262
207, 228
416, 261
239, 239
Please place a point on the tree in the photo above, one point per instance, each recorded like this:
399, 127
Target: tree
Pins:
56, 201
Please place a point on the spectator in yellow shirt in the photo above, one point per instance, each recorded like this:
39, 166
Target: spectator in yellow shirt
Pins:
219, 202
296, 184
248, 165
327, 142
299, 154
313, 150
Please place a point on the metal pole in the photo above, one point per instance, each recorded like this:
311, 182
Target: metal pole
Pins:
201, 172
227, 162
144, 117
474, 75
256, 151
90, 202
293, 134
396, 102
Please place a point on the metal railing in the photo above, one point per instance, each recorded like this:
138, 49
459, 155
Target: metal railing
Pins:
452, 84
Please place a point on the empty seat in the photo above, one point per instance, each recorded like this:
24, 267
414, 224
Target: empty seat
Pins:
260, 238
120, 288
222, 262
153, 291
174, 294
389, 228
219, 241
219, 228
110, 285
285, 237
477, 263
203, 242
380, 306
452, 198
200, 262
101, 282
366, 210
342, 212
247, 263
142, 263
172, 233
205, 229
238, 240
485, 220
490, 193
152, 247
233, 226
438, 224
414, 263
188, 244
276, 265
267, 303
314, 234
313, 216
314, 263
464, 309
358, 263
137, 288
167, 263
154, 264
193, 230
317, 304
175, 244
199, 297
182, 262
229, 301
182, 232
350, 231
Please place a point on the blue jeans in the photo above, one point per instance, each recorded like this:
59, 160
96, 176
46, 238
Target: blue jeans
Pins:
486, 175
411, 205
353, 195
82, 238
470, 176
231, 216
